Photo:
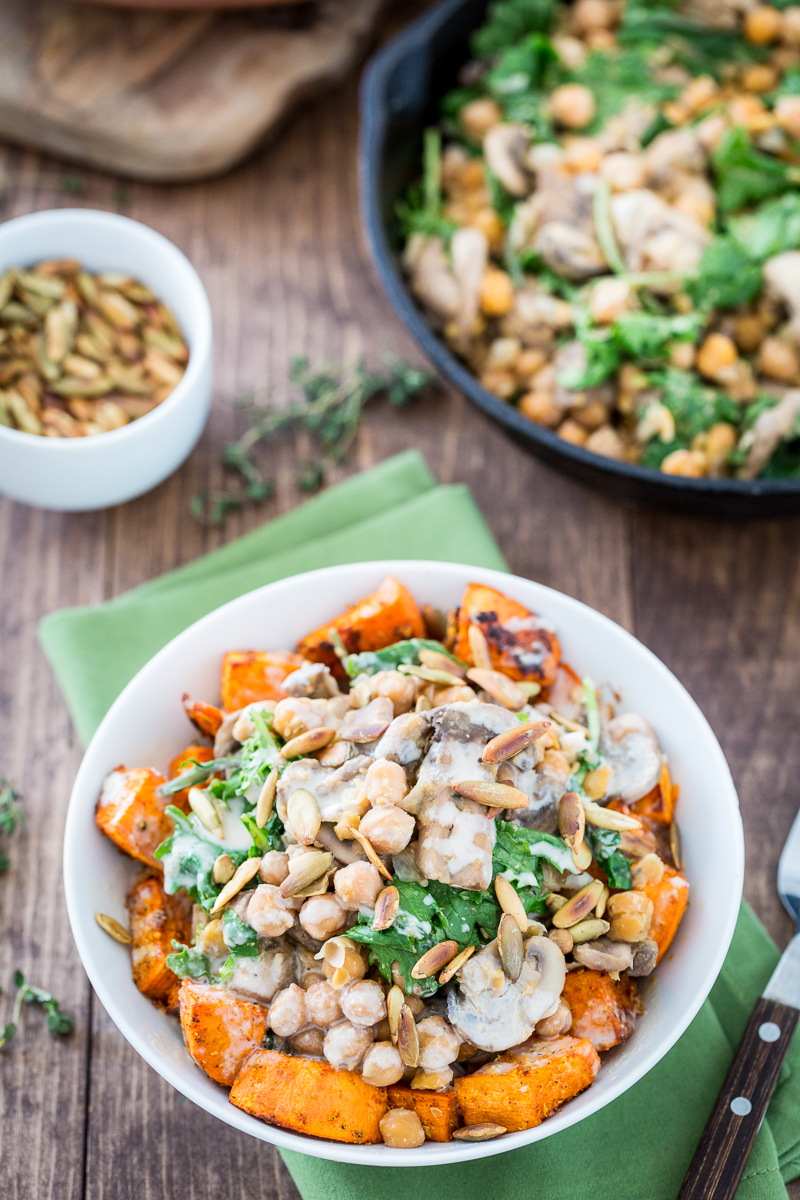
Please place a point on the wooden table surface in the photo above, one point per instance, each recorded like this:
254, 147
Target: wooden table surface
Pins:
278, 245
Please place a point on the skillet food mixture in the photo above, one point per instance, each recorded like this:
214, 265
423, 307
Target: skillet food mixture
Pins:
409, 890
608, 227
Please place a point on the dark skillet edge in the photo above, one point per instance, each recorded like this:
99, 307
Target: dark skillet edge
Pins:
625, 482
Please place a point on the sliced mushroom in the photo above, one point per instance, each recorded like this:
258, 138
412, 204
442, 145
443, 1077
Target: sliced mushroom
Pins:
460, 732
673, 153
631, 750
335, 791
367, 724
470, 252
405, 742
571, 252
782, 275
456, 839
653, 236
769, 429
343, 852
260, 978
432, 280
645, 957
493, 1013
604, 955
506, 147
312, 680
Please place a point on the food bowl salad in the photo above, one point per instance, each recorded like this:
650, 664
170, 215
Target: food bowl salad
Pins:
404, 882
607, 228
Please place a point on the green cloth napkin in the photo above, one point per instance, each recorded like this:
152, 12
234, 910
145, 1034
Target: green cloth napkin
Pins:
637, 1148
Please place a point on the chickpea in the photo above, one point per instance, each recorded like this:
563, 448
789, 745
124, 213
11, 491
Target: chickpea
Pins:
343, 962
750, 111
587, 16
720, 440
630, 914
562, 939
712, 130
601, 39
489, 223
716, 353
357, 885
557, 1024
500, 383
288, 1013
478, 117
571, 431
382, 1065
345, 1045
274, 867
573, 105
453, 695
323, 916
570, 50
322, 1002
401, 1129
682, 354
395, 687
761, 77
609, 299
649, 869
438, 1044
698, 93
389, 828
363, 1003
295, 715
503, 354
762, 25
790, 25
779, 360
541, 407
605, 441
690, 463
308, 1042
385, 782
787, 114
582, 154
529, 362
268, 913
624, 171
697, 200
433, 1081
749, 331
497, 292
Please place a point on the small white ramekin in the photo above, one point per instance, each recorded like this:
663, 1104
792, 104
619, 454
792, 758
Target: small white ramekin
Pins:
79, 474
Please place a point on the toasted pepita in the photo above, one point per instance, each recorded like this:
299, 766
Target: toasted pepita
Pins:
571, 819
509, 901
434, 959
479, 648
512, 741
579, 906
499, 686
113, 928
223, 869
509, 946
306, 868
407, 1037
675, 846
431, 675
479, 1133
440, 662
394, 1002
493, 795
387, 907
608, 818
303, 816
308, 742
588, 929
241, 876
455, 964
205, 810
266, 798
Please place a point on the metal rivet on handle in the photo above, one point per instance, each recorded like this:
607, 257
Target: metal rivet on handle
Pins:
741, 1106
769, 1031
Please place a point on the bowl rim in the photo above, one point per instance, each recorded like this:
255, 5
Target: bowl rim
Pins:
75, 833
373, 123
198, 353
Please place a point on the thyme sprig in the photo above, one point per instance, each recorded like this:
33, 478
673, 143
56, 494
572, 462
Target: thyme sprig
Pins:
11, 815
58, 1022
330, 407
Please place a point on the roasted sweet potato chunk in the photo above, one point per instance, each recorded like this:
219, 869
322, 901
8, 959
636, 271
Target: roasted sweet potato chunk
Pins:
220, 1030
670, 898
250, 675
155, 919
131, 812
603, 1010
659, 804
438, 1111
388, 615
543, 1076
205, 717
309, 1096
519, 643
185, 761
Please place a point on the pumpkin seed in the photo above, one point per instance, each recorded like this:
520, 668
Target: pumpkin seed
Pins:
113, 928
582, 856
370, 851
303, 815
571, 819
387, 907
509, 945
554, 902
431, 675
455, 964
434, 959
509, 901
608, 818
493, 795
600, 907
675, 845
509, 743
307, 868
205, 810
116, 309
369, 731
579, 906
529, 687
500, 687
308, 742
479, 1133
595, 784
479, 648
636, 845
407, 1037
242, 875
266, 798
588, 929
440, 662
394, 1002
223, 870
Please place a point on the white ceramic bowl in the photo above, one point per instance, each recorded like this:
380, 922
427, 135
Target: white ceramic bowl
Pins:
146, 726
79, 474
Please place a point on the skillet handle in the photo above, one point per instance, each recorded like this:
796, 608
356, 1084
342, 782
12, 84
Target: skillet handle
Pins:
728, 1138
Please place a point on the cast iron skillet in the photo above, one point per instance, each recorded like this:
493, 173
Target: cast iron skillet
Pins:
400, 95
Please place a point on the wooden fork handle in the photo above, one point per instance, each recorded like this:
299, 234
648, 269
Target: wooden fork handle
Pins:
728, 1138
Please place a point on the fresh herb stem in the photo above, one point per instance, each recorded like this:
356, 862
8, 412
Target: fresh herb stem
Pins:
604, 226
432, 166
201, 772
58, 1022
11, 815
592, 716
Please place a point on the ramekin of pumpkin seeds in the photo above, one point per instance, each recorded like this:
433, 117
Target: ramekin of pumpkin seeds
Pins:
83, 352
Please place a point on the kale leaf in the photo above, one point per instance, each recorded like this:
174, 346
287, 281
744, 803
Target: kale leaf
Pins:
516, 854
645, 335
241, 939
413, 932
605, 845
726, 276
188, 860
509, 21
188, 963
772, 228
745, 175
695, 407
369, 662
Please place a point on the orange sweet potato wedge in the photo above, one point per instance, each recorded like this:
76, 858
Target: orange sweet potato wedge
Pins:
205, 717
131, 812
603, 1010
520, 647
309, 1096
543, 1077
250, 675
155, 919
184, 762
659, 804
219, 1029
670, 898
438, 1111
390, 614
